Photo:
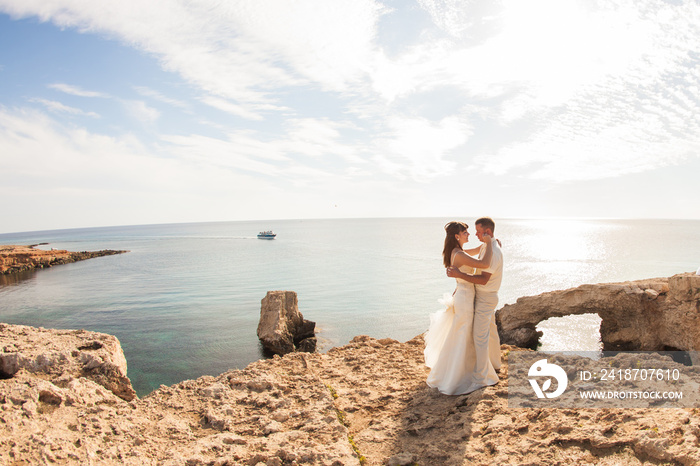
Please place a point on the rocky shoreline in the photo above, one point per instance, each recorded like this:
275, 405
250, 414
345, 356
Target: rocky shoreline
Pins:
14, 259
64, 399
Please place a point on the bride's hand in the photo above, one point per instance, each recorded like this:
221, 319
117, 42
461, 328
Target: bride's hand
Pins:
486, 238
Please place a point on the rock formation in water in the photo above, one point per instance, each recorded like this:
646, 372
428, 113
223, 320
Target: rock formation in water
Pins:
645, 315
282, 328
15, 259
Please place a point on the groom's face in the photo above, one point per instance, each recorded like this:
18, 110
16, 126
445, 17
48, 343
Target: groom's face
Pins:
481, 231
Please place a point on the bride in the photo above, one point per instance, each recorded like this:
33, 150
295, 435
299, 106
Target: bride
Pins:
456, 366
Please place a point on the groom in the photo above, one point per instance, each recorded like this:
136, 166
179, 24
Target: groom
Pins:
487, 284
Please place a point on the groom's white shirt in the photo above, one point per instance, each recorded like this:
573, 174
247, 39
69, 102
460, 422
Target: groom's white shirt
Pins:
495, 269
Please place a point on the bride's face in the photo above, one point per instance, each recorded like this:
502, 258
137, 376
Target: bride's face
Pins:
462, 237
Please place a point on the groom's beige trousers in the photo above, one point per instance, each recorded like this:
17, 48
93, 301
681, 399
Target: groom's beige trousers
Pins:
486, 341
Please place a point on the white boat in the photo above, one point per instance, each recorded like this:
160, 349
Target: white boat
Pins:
266, 235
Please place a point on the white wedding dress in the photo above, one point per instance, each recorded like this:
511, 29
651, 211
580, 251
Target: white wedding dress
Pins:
449, 345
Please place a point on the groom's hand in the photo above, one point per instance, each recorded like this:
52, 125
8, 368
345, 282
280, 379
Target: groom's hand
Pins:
451, 272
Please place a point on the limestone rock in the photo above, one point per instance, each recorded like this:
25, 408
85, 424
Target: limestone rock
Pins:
282, 328
63, 355
402, 459
646, 315
365, 401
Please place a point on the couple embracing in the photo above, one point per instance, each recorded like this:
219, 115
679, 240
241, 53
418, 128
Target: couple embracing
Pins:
462, 348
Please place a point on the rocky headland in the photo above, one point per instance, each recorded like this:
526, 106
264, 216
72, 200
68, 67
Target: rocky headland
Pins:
15, 259
64, 399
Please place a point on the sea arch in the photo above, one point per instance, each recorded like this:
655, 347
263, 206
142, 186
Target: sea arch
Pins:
658, 314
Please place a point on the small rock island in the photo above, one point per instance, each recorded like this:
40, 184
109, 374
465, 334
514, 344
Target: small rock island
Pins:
282, 328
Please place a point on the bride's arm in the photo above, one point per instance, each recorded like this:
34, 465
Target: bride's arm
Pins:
473, 251
462, 258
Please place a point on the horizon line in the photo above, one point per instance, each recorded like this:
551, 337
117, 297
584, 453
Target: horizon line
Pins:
442, 217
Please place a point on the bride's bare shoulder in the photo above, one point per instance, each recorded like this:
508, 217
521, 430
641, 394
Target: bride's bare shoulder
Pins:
458, 255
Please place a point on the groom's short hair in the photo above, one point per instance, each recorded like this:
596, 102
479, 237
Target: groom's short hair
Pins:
486, 222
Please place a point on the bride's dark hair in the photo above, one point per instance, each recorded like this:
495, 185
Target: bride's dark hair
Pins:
451, 229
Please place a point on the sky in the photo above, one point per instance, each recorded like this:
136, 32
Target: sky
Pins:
168, 111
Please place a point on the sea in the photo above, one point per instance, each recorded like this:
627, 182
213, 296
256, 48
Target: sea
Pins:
185, 300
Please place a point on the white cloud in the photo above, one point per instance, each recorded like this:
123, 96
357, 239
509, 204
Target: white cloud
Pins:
300, 149
419, 149
609, 138
234, 109
41, 154
55, 155
236, 50
139, 110
159, 96
237, 154
638, 115
320, 138
58, 107
419, 68
75, 90
545, 91
462, 19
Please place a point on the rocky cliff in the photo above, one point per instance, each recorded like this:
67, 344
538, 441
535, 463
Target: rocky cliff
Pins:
63, 356
362, 403
20, 258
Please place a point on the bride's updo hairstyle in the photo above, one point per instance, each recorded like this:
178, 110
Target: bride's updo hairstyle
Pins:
451, 229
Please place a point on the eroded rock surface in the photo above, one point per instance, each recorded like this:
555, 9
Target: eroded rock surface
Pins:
365, 399
282, 328
646, 315
60, 356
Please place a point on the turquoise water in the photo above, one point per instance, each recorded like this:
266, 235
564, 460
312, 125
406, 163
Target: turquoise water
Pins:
185, 301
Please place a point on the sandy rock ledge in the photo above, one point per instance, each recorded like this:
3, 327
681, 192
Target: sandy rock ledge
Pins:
364, 402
